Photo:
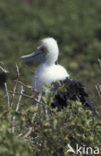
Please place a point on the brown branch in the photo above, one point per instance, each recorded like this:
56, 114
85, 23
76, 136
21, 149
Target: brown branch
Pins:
29, 68
17, 108
3, 69
20, 97
25, 95
98, 88
8, 99
7, 94
29, 132
15, 86
99, 60
27, 86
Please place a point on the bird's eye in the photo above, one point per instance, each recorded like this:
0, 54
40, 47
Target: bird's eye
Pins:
42, 49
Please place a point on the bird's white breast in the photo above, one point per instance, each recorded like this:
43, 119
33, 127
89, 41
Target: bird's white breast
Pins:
48, 74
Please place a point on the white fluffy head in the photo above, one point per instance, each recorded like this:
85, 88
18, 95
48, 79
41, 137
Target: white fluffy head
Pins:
52, 49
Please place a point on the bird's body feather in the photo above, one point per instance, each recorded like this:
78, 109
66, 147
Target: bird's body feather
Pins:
48, 74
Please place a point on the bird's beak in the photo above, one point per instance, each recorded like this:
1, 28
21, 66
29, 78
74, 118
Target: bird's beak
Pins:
32, 56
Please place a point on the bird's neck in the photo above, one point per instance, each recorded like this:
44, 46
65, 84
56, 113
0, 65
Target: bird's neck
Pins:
52, 56
47, 63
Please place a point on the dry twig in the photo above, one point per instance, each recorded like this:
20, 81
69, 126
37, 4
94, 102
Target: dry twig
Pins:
98, 88
3, 69
7, 94
28, 68
29, 132
27, 86
27, 96
17, 108
15, 86
99, 62
20, 97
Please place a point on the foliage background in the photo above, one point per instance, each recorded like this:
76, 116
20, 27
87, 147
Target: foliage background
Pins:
76, 24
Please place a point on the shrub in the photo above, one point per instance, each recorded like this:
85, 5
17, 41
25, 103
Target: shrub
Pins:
30, 126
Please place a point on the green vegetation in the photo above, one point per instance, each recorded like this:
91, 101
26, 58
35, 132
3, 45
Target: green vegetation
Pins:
76, 25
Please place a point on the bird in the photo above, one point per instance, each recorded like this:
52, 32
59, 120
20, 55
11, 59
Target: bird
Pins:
48, 71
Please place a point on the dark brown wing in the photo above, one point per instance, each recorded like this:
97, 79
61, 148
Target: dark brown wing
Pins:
74, 90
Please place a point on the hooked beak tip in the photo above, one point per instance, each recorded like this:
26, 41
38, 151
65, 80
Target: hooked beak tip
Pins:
30, 57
